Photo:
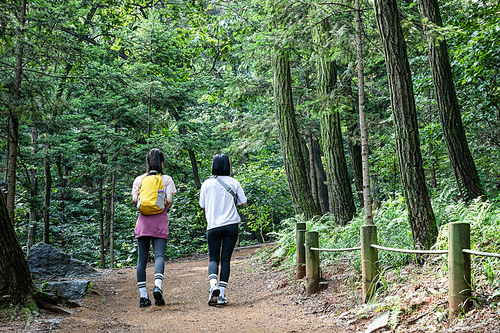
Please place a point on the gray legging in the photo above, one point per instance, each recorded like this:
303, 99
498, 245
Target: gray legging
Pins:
227, 237
159, 246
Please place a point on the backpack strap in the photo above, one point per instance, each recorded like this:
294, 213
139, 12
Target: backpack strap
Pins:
229, 189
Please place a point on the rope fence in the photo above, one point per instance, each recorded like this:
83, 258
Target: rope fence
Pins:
336, 250
459, 262
409, 251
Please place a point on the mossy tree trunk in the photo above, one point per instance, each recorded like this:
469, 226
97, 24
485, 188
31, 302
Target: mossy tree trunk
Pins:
331, 134
16, 284
293, 157
449, 111
420, 214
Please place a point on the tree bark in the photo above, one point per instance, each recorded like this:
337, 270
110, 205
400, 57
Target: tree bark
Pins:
46, 200
100, 192
112, 223
12, 168
357, 167
449, 111
192, 157
336, 167
62, 186
365, 165
14, 117
432, 159
420, 214
320, 178
331, 133
289, 137
15, 277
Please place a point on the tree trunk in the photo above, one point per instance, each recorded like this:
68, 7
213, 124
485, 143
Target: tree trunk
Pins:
112, 224
353, 124
101, 223
148, 130
289, 137
46, 200
449, 111
62, 186
33, 190
7, 154
357, 166
312, 168
12, 168
331, 133
367, 197
194, 166
432, 160
15, 277
420, 214
14, 117
192, 157
107, 217
305, 155
336, 167
320, 178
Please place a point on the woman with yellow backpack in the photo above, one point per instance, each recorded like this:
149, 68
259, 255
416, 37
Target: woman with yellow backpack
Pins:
152, 194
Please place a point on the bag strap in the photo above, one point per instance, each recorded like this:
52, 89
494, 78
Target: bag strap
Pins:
229, 189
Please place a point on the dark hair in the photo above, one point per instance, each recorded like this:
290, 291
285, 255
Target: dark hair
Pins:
221, 165
154, 159
2, 184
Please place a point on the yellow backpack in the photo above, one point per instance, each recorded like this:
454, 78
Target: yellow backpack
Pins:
151, 194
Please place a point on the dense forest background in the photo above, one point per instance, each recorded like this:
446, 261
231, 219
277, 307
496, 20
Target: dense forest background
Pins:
88, 87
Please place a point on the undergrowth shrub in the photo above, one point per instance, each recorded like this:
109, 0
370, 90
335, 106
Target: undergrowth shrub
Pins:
394, 231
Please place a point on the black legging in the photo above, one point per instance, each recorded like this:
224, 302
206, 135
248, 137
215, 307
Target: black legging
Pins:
227, 235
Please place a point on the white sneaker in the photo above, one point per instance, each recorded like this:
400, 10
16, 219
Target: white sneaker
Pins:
214, 293
221, 300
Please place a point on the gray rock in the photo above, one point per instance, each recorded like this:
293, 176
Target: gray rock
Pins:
47, 262
382, 321
73, 289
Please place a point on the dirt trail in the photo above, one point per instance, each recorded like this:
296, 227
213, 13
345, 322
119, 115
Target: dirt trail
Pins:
260, 300
113, 306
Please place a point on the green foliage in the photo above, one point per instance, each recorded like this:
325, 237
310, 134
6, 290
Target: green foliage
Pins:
394, 231
264, 182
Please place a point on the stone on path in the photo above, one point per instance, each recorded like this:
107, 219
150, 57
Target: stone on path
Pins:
73, 289
381, 322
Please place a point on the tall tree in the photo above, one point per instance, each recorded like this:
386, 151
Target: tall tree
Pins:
343, 207
420, 214
449, 111
367, 202
16, 107
295, 165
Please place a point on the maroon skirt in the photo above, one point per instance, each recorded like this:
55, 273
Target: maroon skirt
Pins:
152, 225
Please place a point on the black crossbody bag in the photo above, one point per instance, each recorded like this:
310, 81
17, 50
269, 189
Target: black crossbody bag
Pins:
228, 188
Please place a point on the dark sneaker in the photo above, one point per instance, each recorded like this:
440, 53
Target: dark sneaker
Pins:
221, 300
158, 295
212, 298
144, 302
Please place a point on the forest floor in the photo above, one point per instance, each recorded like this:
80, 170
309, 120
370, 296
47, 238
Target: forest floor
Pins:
261, 299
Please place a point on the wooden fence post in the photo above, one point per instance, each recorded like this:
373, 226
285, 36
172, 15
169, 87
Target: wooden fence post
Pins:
312, 262
301, 250
459, 267
369, 261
